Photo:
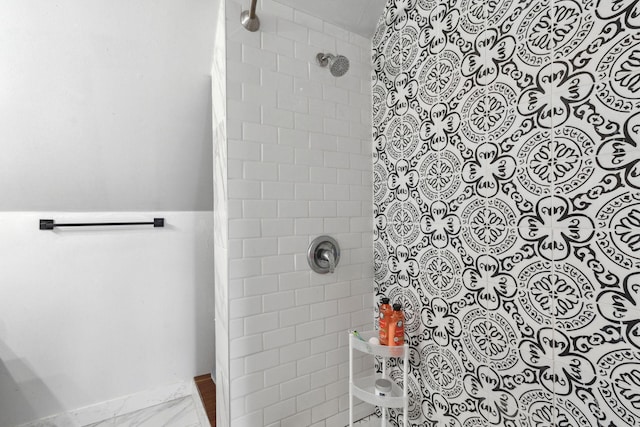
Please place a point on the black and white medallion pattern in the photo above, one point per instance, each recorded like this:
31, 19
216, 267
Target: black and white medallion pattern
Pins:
507, 208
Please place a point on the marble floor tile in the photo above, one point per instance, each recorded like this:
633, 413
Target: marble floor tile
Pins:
176, 413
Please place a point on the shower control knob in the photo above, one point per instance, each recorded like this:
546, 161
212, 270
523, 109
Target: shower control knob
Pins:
323, 254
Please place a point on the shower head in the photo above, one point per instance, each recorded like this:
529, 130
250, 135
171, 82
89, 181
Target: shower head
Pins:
338, 65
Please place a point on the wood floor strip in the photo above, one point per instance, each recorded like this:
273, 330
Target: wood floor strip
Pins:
207, 391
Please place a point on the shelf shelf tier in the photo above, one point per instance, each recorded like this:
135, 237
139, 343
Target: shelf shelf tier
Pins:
364, 388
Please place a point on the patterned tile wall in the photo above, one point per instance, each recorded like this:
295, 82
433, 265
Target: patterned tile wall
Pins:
507, 207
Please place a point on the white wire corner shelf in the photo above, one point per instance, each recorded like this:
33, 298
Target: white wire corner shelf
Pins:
363, 387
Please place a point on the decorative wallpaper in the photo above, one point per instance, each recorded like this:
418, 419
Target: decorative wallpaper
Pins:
507, 207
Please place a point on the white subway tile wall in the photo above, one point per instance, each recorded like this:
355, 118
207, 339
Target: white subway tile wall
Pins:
299, 165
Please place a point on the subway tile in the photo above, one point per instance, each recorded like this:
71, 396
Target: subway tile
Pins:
351, 304
325, 42
266, 95
299, 419
348, 176
335, 31
279, 374
277, 227
338, 290
308, 295
244, 228
308, 365
261, 361
361, 224
336, 127
277, 153
324, 343
244, 346
243, 150
307, 21
280, 410
324, 309
293, 67
309, 330
277, 190
260, 285
258, 57
351, 145
337, 160
308, 122
309, 157
292, 244
260, 322
322, 141
293, 280
277, 117
336, 225
236, 330
335, 94
293, 102
322, 175
276, 80
260, 133
259, 209
277, 264
246, 384
241, 268
274, 43
294, 387
324, 410
243, 307
278, 338
249, 420
291, 30
293, 316
294, 351
272, 7
323, 209
308, 191
321, 108
278, 301
308, 88
242, 73
259, 247
337, 356
348, 113
337, 323
294, 137
293, 208
248, 111
242, 189
308, 226
336, 192
260, 171
262, 398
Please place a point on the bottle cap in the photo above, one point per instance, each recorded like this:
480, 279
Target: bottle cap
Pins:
385, 300
397, 306
383, 385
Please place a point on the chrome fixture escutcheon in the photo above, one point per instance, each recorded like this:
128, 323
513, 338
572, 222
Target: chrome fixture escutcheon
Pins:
323, 254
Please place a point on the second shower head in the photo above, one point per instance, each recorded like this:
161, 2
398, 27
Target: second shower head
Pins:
338, 65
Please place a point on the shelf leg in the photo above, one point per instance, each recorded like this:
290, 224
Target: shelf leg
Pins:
350, 382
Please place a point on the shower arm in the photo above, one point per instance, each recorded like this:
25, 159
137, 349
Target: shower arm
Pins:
249, 19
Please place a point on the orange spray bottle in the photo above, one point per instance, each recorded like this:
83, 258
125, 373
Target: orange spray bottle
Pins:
385, 318
396, 326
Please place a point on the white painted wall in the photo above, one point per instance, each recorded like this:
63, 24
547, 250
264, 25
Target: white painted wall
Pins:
105, 112
105, 105
92, 315
298, 166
